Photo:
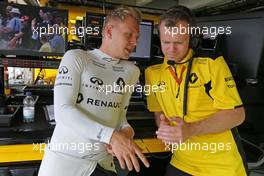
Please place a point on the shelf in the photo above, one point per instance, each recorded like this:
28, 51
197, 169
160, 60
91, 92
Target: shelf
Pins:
31, 63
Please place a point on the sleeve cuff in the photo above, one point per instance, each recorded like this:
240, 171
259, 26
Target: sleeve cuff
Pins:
106, 135
125, 125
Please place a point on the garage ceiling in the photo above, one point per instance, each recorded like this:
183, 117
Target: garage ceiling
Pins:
200, 7
210, 6
165, 4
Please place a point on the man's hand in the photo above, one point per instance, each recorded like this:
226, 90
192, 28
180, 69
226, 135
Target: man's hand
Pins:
127, 151
173, 134
163, 120
109, 149
128, 132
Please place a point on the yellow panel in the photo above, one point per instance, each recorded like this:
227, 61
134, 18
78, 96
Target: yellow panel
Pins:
49, 74
154, 145
22, 152
151, 145
33, 152
141, 145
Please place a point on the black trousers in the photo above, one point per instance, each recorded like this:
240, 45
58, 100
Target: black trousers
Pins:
173, 171
99, 171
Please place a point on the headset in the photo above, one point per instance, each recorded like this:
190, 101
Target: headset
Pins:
187, 15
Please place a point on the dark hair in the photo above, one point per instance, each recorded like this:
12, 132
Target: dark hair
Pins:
181, 13
177, 13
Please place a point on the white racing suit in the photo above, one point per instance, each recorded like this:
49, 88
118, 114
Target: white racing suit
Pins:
87, 111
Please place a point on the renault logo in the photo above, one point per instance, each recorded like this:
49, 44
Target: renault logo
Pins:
120, 82
63, 70
96, 80
79, 98
193, 78
161, 83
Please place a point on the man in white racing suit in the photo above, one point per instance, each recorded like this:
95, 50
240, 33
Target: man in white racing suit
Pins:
91, 97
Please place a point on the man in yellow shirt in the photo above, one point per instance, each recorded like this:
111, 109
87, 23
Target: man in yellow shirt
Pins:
198, 125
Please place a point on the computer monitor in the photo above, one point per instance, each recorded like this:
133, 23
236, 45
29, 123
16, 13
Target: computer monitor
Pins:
244, 46
142, 51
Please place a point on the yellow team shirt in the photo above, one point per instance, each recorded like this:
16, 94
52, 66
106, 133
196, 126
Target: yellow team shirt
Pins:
211, 88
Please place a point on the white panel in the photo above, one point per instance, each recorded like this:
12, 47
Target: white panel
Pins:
17, 1
194, 4
142, 2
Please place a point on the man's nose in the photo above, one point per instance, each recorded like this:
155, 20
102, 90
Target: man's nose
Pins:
133, 41
172, 47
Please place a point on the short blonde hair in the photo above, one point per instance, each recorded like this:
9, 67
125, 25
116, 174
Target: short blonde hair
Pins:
121, 13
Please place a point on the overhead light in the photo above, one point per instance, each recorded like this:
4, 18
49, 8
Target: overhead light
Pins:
79, 18
72, 21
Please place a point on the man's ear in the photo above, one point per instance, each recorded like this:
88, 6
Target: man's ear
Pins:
108, 31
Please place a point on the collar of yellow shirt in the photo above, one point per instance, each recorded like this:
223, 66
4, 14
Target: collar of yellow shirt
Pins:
184, 60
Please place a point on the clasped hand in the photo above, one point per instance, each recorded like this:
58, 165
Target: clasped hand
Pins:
169, 133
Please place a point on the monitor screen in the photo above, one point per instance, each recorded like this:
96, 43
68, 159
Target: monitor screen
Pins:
143, 48
142, 52
30, 30
244, 41
94, 24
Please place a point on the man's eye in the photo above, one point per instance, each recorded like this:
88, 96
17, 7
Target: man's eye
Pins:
129, 35
178, 43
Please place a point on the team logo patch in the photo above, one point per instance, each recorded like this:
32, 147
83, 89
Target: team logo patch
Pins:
79, 98
108, 59
121, 83
161, 83
96, 80
230, 82
63, 70
193, 78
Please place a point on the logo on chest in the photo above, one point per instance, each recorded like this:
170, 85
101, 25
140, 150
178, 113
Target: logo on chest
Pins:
96, 81
193, 78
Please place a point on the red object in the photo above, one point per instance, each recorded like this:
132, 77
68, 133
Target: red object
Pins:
24, 18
